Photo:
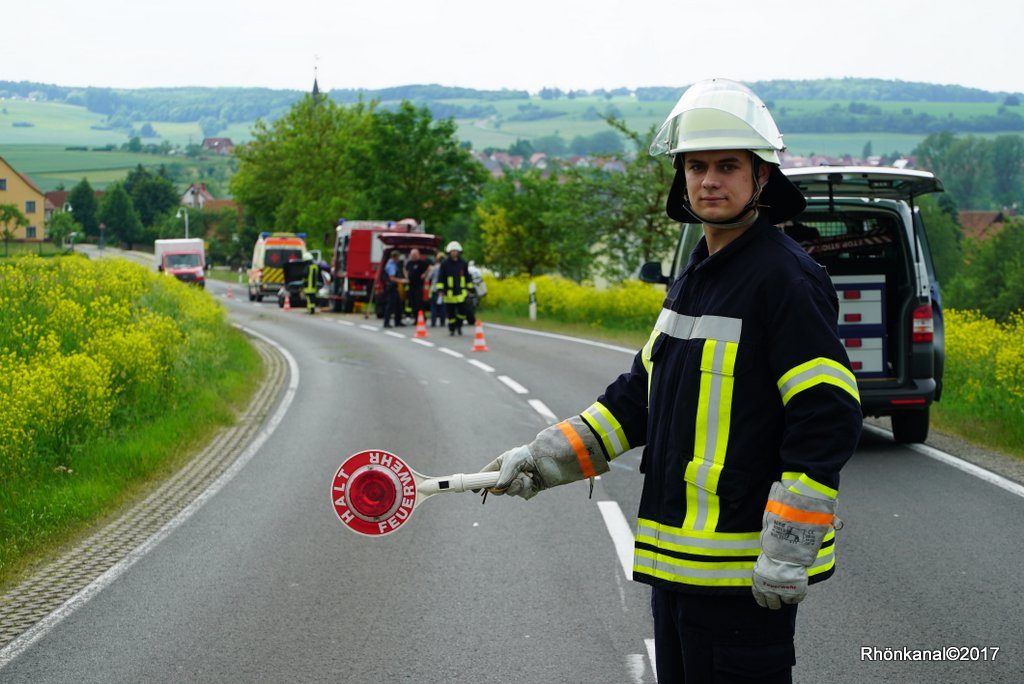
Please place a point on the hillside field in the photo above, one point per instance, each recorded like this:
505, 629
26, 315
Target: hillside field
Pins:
34, 135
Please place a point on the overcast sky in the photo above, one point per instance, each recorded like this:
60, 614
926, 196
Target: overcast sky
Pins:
520, 44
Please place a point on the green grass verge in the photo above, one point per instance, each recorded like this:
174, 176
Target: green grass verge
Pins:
52, 508
996, 428
43, 249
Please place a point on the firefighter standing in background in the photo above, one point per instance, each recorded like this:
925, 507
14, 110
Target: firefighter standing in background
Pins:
312, 285
455, 284
743, 400
392, 297
416, 269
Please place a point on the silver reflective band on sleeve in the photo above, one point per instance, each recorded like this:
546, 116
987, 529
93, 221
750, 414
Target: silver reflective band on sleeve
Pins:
685, 327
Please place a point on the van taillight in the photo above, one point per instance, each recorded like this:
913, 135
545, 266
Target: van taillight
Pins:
924, 326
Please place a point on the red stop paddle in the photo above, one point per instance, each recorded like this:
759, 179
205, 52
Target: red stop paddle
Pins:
375, 492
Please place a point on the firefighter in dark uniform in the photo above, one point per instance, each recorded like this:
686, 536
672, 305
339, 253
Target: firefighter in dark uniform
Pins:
454, 284
742, 399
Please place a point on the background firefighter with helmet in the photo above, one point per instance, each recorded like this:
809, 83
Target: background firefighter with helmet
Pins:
742, 399
454, 284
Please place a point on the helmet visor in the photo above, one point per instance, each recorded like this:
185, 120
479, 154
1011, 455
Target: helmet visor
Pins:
719, 115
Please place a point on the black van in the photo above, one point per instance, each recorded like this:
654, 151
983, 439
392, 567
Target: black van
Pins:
862, 225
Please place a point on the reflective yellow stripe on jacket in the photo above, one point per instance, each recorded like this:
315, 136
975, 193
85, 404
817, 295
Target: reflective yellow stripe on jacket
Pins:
721, 337
607, 429
816, 372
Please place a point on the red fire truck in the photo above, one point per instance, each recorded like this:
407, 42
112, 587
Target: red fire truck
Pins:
359, 250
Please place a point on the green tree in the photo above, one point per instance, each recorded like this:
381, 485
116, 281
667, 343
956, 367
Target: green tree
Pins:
944, 237
229, 241
516, 226
1008, 170
963, 164
84, 206
11, 219
152, 195
523, 148
552, 145
60, 226
992, 278
416, 167
301, 173
622, 207
603, 142
118, 214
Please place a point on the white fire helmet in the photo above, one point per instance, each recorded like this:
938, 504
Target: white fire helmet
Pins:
453, 246
719, 114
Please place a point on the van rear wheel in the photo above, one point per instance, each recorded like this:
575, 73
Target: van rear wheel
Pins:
911, 427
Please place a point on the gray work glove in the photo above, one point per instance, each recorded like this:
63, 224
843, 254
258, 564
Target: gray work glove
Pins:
793, 528
562, 453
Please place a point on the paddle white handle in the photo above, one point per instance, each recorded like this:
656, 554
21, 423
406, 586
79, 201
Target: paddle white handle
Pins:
459, 482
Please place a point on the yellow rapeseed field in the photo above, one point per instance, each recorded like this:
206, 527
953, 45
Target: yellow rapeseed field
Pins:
985, 359
87, 346
633, 305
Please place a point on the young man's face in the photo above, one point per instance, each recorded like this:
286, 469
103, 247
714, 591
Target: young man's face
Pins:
719, 183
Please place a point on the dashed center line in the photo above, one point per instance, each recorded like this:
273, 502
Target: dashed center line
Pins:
536, 404
513, 385
543, 410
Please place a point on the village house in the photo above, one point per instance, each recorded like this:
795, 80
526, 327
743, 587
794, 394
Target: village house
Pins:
982, 225
196, 196
18, 190
218, 145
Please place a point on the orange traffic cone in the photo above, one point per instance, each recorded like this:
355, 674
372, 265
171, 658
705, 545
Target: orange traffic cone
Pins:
421, 325
287, 303
479, 345
231, 294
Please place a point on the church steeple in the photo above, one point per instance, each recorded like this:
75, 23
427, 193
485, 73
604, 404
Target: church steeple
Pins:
316, 86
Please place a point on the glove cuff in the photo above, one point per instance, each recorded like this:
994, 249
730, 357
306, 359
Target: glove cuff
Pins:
795, 525
571, 444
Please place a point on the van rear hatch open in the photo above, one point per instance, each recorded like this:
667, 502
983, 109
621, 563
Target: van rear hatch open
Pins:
860, 225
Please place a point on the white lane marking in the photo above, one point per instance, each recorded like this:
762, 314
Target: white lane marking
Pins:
650, 654
43, 627
423, 342
635, 665
451, 352
621, 534
392, 333
513, 385
481, 365
959, 464
567, 338
622, 539
543, 410
348, 323
371, 328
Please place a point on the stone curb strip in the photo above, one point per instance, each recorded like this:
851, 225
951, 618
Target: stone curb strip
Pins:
56, 583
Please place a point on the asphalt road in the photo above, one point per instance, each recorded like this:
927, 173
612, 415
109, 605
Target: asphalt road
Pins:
263, 583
